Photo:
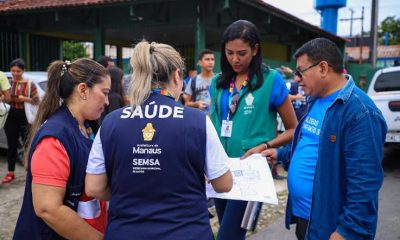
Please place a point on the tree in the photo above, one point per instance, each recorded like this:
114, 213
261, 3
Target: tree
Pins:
390, 25
73, 50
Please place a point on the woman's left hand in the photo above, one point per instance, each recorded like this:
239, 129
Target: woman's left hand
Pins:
257, 149
25, 99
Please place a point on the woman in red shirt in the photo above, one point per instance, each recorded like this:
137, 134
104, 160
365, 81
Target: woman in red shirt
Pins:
17, 125
55, 205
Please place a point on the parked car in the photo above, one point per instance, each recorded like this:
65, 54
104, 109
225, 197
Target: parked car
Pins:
40, 81
385, 92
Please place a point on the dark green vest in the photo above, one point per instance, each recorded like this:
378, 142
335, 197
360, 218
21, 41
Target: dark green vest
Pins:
253, 122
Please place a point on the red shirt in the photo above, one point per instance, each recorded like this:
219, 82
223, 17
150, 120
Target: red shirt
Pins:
21, 88
51, 166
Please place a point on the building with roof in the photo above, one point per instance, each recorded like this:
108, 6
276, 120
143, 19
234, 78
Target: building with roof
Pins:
387, 56
34, 29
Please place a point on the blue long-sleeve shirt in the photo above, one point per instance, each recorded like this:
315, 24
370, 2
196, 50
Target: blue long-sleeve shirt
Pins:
348, 174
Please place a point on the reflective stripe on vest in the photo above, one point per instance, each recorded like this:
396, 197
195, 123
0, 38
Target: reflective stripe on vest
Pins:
89, 209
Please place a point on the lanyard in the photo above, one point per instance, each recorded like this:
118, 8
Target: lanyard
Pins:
87, 131
232, 93
163, 92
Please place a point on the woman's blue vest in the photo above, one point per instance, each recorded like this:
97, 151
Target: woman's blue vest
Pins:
64, 127
155, 160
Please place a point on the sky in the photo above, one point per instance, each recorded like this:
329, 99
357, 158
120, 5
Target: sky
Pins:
304, 9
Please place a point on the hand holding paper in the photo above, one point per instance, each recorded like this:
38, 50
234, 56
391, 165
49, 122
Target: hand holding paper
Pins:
252, 181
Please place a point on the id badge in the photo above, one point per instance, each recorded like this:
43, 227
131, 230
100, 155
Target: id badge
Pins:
226, 128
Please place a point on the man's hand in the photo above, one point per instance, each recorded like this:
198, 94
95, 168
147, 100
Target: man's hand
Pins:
287, 69
201, 105
257, 149
336, 236
297, 96
271, 155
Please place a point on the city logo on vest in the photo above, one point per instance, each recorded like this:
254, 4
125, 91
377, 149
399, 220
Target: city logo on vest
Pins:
249, 99
248, 109
148, 132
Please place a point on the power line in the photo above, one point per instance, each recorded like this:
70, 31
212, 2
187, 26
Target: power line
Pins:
351, 19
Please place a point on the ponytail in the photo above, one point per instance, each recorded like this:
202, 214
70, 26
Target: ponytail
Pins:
153, 65
49, 104
142, 73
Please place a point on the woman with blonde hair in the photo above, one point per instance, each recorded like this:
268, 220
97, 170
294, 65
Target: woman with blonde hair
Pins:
55, 205
150, 158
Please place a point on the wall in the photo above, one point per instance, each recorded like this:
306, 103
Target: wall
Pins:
356, 70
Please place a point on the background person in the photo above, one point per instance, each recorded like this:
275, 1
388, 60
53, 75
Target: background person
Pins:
54, 205
296, 94
362, 83
4, 88
106, 61
116, 94
151, 161
246, 98
191, 74
197, 93
335, 170
17, 125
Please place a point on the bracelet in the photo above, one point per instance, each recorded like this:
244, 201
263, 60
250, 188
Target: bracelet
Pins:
267, 145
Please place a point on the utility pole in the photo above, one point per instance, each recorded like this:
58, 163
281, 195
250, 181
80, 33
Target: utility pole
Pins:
374, 25
351, 19
351, 22
362, 33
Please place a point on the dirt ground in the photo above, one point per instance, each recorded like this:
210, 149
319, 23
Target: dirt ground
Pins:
11, 195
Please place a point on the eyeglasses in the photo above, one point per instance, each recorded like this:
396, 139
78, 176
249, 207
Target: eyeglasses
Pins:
299, 72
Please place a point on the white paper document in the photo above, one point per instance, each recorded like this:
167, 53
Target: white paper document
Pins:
252, 181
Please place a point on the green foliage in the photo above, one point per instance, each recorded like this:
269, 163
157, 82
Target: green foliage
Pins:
73, 50
390, 25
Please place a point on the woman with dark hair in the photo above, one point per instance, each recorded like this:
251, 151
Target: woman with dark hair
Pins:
246, 97
16, 124
116, 95
55, 205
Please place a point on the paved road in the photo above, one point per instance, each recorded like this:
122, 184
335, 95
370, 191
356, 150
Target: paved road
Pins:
389, 206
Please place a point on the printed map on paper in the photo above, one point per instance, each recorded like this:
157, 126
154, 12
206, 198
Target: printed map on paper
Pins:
252, 181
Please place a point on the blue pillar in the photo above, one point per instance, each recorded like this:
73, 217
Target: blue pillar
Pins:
329, 13
329, 21
386, 38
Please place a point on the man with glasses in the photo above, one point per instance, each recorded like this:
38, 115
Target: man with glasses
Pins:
335, 158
